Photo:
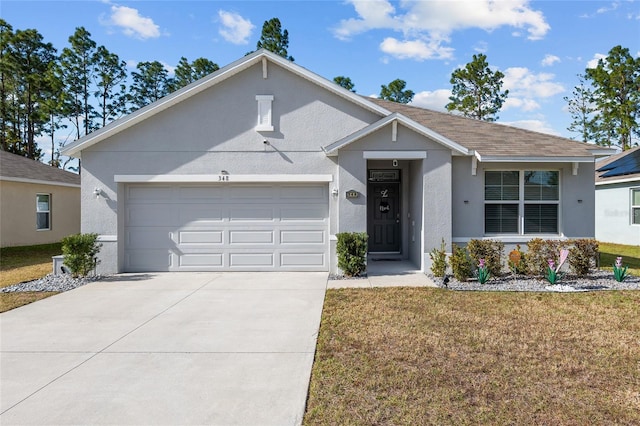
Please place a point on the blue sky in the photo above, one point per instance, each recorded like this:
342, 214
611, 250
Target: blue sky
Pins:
540, 46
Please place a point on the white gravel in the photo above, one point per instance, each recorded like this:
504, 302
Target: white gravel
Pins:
599, 280
61, 282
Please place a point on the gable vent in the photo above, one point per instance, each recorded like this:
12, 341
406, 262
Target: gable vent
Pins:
264, 113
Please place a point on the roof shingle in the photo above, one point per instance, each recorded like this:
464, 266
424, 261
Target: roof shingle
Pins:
14, 166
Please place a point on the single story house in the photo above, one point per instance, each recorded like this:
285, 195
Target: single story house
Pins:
618, 198
259, 165
39, 204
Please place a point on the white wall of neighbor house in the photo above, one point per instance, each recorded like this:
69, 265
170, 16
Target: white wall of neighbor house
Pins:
214, 131
576, 210
613, 214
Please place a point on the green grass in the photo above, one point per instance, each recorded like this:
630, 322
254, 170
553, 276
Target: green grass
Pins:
391, 356
630, 256
25, 263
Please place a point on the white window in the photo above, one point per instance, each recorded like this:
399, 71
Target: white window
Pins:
264, 113
635, 206
521, 202
43, 212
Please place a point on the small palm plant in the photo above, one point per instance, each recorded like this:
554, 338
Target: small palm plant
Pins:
553, 271
483, 272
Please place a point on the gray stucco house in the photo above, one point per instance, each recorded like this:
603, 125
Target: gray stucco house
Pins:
618, 198
258, 166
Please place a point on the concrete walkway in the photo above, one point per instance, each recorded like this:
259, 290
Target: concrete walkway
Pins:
170, 348
386, 273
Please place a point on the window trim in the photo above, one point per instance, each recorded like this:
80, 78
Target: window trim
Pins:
521, 202
48, 211
632, 206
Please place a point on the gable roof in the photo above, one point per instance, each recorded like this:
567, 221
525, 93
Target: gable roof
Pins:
222, 74
622, 167
332, 149
21, 169
497, 142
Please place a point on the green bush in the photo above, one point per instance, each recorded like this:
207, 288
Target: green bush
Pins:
352, 252
460, 263
583, 255
80, 251
539, 252
491, 251
439, 260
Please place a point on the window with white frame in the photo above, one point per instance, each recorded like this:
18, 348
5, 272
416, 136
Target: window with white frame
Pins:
635, 206
43, 212
521, 202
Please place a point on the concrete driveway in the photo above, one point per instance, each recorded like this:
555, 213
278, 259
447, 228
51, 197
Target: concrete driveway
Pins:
167, 348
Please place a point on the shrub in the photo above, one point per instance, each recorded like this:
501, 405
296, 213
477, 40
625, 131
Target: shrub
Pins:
460, 263
489, 250
352, 252
80, 251
583, 255
439, 260
517, 264
539, 252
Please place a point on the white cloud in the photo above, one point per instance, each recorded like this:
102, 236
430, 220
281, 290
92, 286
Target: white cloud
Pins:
521, 82
526, 105
415, 49
593, 63
535, 125
549, 60
436, 100
170, 68
432, 22
235, 29
132, 23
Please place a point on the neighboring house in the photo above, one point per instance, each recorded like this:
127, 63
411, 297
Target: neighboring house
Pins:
258, 166
618, 198
39, 204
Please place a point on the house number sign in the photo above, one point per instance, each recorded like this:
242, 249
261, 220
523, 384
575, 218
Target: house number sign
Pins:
352, 194
223, 178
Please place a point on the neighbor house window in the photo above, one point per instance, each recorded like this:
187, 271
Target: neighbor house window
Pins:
43, 212
635, 206
521, 202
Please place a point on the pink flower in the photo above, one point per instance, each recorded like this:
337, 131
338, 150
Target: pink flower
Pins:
481, 263
552, 264
619, 262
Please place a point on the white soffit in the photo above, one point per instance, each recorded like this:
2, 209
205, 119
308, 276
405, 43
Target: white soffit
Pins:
223, 178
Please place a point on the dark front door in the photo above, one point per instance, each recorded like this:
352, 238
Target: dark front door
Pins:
384, 216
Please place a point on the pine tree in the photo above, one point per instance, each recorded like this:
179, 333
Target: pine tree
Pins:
395, 92
274, 38
477, 90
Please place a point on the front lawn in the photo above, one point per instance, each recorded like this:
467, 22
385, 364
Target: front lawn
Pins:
433, 356
26, 263
630, 256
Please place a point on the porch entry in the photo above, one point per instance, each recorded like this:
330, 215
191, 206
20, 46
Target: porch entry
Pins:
383, 211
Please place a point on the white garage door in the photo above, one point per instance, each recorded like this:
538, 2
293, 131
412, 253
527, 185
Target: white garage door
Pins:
178, 227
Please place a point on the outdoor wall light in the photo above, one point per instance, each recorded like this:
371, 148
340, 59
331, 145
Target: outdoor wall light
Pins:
97, 192
334, 192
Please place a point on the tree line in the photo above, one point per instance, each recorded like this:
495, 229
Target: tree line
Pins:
86, 86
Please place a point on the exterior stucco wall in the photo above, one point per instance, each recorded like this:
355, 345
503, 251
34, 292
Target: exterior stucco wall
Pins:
215, 131
436, 169
613, 214
577, 200
18, 213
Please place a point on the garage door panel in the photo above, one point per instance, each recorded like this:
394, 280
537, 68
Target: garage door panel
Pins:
148, 260
302, 259
201, 260
306, 213
152, 215
302, 237
234, 227
239, 260
200, 237
149, 238
144, 193
251, 237
204, 194
199, 214
246, 214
